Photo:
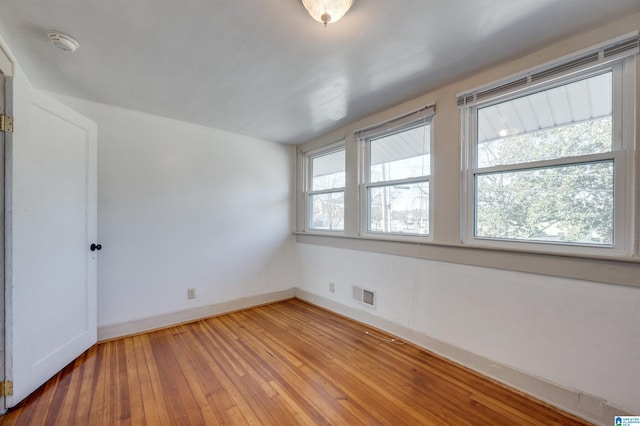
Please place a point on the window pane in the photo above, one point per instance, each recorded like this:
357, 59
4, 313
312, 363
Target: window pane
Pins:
328, 171
565, 204
401, 155
570, 120
327, 211
402, 209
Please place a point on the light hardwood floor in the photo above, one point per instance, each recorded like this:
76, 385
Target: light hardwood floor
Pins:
285, 363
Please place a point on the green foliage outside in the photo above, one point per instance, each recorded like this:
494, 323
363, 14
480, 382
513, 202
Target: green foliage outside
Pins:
569, 203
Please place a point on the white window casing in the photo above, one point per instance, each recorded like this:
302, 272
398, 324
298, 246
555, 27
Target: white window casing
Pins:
326, 193
387, 175
512, 97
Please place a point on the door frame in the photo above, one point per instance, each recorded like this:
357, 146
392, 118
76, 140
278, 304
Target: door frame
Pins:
6, 69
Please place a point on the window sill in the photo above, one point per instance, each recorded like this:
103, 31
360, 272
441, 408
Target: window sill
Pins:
621, 270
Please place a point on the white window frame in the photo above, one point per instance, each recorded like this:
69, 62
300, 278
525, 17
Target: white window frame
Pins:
308, 179
622, 154
365, 179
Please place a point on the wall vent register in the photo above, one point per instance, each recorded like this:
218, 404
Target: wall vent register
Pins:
363, 295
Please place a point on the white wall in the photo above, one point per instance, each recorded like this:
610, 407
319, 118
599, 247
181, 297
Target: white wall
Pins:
581, 335
184, 206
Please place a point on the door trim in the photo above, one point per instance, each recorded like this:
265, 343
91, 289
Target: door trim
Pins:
6, 69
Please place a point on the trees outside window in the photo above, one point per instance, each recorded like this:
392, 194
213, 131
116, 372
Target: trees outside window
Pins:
325, 197
545, 165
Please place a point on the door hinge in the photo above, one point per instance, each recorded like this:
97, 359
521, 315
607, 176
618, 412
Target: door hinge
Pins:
6, 123
6, 388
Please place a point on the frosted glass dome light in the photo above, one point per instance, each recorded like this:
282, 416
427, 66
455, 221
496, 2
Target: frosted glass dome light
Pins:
327, 11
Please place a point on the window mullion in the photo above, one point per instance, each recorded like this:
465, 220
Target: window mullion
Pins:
397, 182
564, 161
326, 191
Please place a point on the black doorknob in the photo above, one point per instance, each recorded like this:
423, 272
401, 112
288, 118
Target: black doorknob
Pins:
95, 247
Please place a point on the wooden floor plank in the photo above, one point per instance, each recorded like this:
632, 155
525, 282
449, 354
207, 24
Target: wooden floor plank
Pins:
279, 364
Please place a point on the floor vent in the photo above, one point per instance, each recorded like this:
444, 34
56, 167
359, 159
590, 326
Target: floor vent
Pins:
368, 297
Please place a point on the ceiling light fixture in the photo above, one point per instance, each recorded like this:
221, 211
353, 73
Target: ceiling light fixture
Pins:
63, 41
327, 11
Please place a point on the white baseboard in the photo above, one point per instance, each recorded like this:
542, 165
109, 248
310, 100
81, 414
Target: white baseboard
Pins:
588, 407
109, 332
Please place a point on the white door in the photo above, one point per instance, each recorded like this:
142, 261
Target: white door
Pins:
51, 225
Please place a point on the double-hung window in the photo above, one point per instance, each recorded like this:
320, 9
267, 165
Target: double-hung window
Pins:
549, 162
395, 197
325, 190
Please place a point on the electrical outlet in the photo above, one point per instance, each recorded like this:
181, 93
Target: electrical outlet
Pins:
332, 287
191, 293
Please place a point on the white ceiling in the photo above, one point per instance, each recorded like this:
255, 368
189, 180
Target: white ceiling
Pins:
265, 68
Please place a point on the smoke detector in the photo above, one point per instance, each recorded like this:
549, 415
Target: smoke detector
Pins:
63, 41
